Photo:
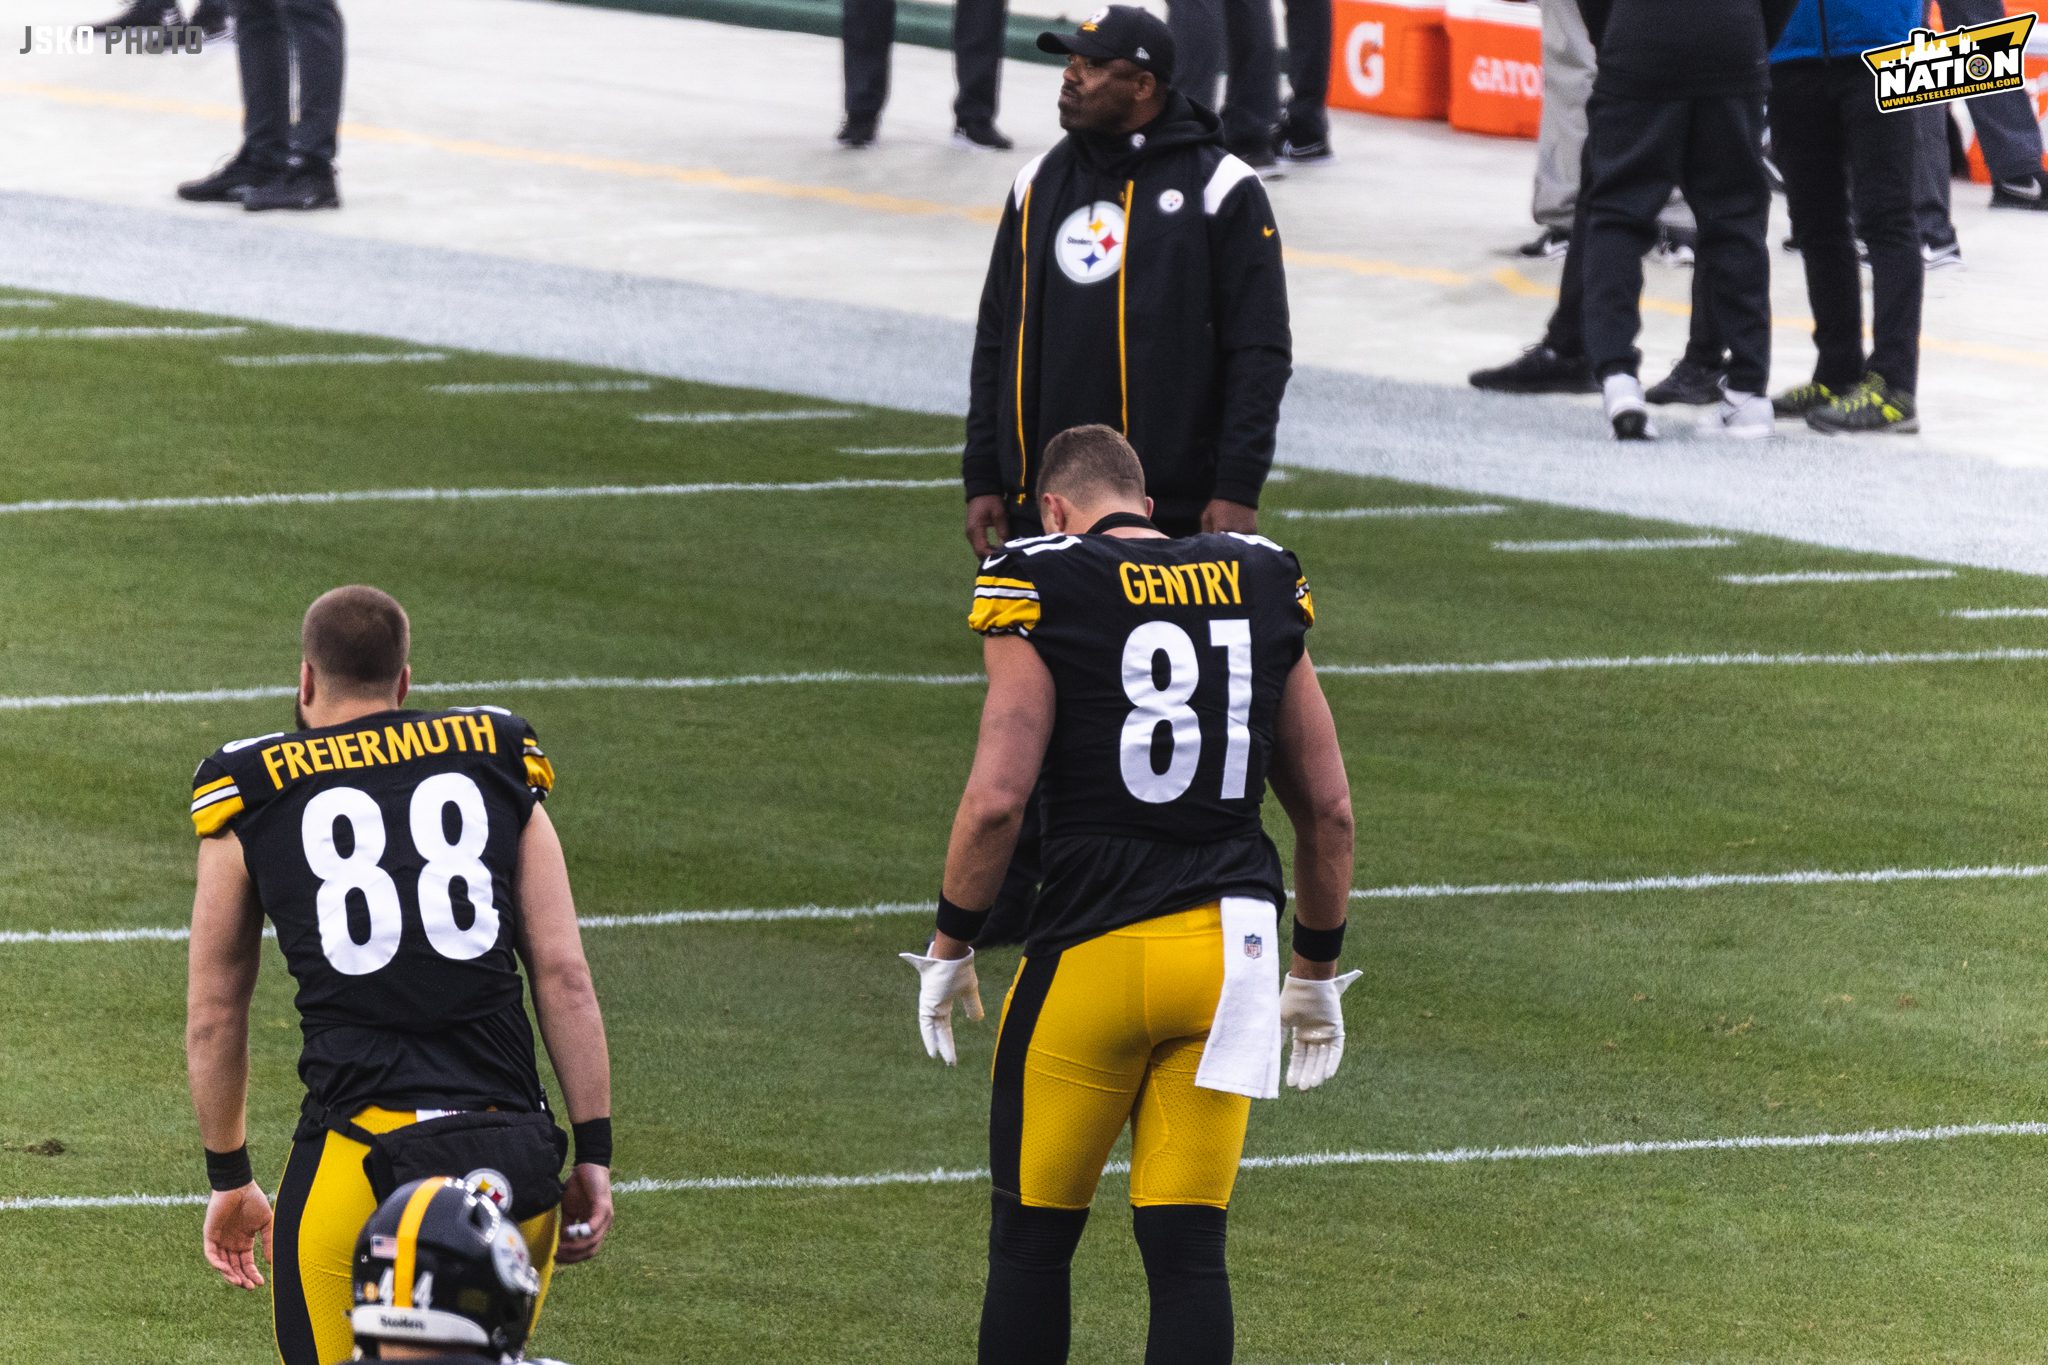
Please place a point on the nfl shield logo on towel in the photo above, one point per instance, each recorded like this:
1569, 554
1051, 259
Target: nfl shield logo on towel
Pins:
1254, 946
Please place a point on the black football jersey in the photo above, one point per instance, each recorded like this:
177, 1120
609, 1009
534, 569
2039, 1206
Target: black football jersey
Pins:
385, 852
1168, 658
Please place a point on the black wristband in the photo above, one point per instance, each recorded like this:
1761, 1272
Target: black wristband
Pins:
1319, 945
593, 1142
229, 1170
957, 921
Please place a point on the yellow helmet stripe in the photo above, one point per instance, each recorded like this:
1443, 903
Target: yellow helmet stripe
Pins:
409, 1239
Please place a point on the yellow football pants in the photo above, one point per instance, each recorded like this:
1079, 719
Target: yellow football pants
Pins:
322, 1203
1107, 1032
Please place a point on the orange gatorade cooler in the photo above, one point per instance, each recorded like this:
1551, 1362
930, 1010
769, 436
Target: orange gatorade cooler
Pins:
1391, 57
1496, 66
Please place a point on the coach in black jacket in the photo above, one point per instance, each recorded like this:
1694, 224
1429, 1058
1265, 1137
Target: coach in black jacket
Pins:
1136, 282
1678, 99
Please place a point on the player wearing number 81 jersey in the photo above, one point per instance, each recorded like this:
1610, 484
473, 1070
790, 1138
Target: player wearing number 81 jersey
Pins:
1159, 685
407, 865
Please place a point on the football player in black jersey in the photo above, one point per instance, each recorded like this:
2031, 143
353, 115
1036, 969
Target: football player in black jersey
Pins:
1161, 684
408, 868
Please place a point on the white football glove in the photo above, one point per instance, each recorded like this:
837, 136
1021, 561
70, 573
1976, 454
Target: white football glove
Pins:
1314, 1010
944, 980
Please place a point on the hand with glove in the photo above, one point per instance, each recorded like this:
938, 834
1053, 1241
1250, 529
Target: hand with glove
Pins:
943, 981
1313, 1010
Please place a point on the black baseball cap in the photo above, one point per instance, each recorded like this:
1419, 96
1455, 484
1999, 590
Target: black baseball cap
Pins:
1125, 31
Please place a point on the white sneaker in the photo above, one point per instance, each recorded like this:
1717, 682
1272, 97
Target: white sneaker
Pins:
1622, 396
1744, 416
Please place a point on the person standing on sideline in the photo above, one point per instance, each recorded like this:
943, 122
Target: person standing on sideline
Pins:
1835, 147
1305, 129
283, 163
867, 30
2006, 130
1213, 36
1678, 101
1136, 283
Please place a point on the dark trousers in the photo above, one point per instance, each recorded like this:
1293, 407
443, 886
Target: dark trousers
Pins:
276, 40
868, 28
1637, 151
1566, 331
1308, 70
1207, 35
1833, 143
2005, 124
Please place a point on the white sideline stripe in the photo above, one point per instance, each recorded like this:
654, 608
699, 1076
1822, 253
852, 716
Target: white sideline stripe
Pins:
28, 303
1855, 660
1997, 613
793, 415
337, 358
602, 490
549, 386
899, 450
1447, 1156
1699, 881
1834, 576
1470, 509
113, 333
1639, 543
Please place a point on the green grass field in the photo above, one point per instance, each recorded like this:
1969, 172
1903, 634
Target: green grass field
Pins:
789, 1048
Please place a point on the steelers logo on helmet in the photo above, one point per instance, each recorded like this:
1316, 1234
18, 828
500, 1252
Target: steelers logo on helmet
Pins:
491, 1185
514, 1262
1090, 244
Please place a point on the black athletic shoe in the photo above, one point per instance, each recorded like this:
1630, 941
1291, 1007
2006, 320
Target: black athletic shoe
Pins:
1688, 383
307, 186
1305, 149
2029, 194
145, 14
982, 137
228, 185
1675, 247
1797, 402
1871, 406
215, 25
858, 131
1547, 245
1946, 255
1538, 370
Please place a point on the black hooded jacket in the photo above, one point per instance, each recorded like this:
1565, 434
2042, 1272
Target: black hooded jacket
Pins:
1136, 282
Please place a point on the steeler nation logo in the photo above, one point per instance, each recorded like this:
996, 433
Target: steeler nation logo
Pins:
1090, 245
1966, 61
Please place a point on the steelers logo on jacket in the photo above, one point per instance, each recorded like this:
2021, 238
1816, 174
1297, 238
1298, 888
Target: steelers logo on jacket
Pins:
1090, 245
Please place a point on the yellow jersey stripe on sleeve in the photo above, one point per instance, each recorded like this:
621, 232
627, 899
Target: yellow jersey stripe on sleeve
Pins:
215, 786
1003, 615
1306, 600
990, 581
540, 774
209, 819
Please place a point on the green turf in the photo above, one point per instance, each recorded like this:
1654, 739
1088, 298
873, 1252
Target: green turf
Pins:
790, 1049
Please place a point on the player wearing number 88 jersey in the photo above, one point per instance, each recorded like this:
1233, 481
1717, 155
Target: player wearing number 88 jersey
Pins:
408, 868
1159, 685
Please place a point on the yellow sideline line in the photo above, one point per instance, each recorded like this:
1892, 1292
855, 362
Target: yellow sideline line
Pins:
1506, 277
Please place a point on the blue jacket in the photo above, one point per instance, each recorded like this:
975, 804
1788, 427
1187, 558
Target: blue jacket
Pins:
1843, 28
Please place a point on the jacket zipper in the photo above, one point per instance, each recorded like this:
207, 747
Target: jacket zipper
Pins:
1023, 315
1123, 363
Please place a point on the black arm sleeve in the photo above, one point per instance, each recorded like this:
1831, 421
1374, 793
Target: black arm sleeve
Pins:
981, 462
1255, 345
1595, 13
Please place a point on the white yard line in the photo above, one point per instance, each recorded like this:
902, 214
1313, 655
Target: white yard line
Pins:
115, 333
1444, 1156
792, 415
834, 677
1536, 547
337, 358
900, 450
28, 303
548, 386
1469, 509
1754, 580
602, 490
1997, 613
1697, 881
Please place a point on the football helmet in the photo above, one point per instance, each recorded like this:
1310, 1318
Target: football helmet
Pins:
437, 1264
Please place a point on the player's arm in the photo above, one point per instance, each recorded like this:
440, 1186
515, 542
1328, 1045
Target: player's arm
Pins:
572, 1026
225, 953
1255, 352
1016, 724
980, 462
1308, 776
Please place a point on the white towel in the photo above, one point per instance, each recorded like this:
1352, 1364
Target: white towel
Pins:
1243, 1053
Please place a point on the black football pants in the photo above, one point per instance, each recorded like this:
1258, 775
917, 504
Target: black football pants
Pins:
868, 28
276, 40
1834, 147
1637, 151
